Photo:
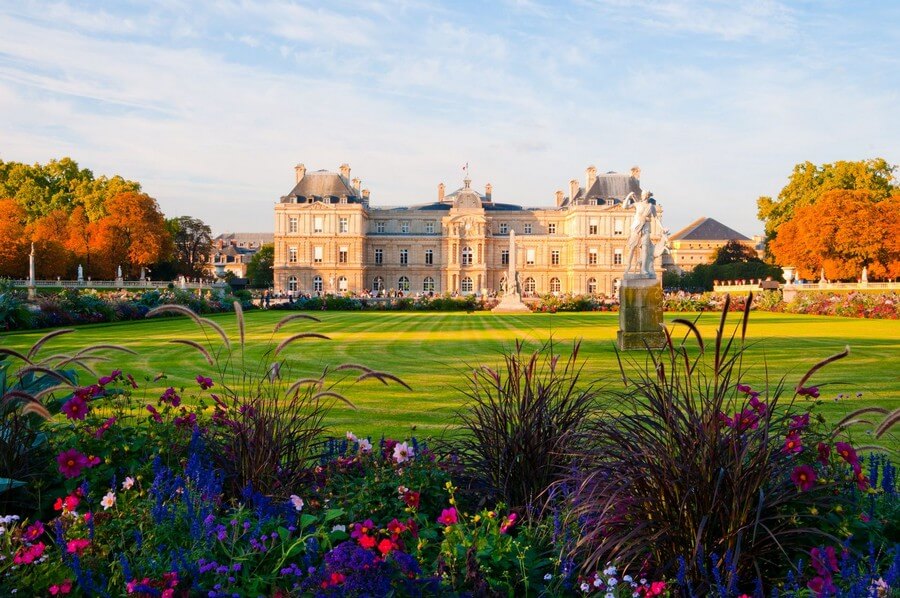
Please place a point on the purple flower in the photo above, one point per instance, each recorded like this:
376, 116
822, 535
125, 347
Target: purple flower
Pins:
170, 397
205, 383
75, 408
154, 414
71, 462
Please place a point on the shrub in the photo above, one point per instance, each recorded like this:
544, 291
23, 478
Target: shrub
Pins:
520, 424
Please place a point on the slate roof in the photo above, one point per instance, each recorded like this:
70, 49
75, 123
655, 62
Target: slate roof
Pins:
708, 229
613, 185
323, 183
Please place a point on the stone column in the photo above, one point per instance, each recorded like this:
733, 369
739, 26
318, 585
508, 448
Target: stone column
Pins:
640, 313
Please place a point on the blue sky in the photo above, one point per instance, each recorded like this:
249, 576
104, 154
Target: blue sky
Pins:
210, 105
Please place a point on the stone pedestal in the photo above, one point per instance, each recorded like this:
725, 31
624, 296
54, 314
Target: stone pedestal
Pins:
511, 304
640, 314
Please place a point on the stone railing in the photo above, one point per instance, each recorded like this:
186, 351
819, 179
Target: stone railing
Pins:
735, 286
116, 284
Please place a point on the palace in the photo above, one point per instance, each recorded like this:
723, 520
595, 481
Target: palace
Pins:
330, 239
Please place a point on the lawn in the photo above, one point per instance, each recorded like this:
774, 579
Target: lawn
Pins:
433, 352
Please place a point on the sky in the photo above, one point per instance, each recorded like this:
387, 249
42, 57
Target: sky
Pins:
211, 105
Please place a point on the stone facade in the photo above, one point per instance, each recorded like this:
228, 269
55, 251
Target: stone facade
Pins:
698, 242
330, 239
233, 251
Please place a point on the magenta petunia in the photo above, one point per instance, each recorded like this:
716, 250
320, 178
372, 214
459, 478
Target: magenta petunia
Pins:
71, 462
847, 453
804, 477
448, 516
792, 444
75, 408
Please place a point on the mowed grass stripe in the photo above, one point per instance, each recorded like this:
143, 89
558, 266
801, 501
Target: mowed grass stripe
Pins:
434, 353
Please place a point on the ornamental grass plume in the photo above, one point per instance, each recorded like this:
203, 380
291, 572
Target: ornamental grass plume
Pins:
670, 476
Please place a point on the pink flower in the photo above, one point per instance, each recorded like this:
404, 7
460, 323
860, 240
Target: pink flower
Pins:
403, 452
448, 516
758, 405
508, 523
804, 477
792, 444
33, 531
847, 453
71, 462
205, 383
104, 427
29, 554
821, 586
64, 588
154, 414
77, 545
746, 420
75, 408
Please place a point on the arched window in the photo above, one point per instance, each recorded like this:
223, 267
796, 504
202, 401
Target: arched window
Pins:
554, 285
317, 284
403, 284
292, 284
466, 285
467, 256
378, 284
428, 285
342, 284
592, 286
528, 287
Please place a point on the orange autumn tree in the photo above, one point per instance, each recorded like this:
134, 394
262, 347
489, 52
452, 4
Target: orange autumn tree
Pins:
13, 243
49, 234
842, 232
132, 234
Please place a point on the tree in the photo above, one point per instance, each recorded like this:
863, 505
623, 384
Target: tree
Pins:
808, 182
734, 251
843, 232
133, 234
49, 235
13, 252
260, 270
192, 239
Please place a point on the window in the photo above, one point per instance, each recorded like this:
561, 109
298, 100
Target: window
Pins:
292, 255
292, 284
592, 256
467, 256
404, 226
527, 229
428, 285
554, 285
292, 224
504, 228
529, 257
318, 224
342, 255
317, 254
554, 257
429, 227
317, 284
404, 257
617, 257
378, 284
429, 257
592, 202
379, 256
592, 286
592, 226
528, 287
551, 228
504, 257
403, 284
343, 225
466, 286
342, 284
618, 226
379, 226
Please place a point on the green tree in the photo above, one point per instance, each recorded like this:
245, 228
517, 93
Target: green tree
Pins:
734, 251
260, 270
808, 181
192, 240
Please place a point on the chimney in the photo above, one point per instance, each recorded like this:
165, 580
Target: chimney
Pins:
573, 189
300, 171
591, 176
345, 171
560, 197
365, 198
636, 172
441, 193
488, 189
356, 185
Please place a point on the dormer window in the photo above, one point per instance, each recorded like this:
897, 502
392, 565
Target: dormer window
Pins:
610, 202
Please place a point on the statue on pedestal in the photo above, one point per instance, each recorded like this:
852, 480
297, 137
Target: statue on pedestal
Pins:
639, 242
512, 292
80, 273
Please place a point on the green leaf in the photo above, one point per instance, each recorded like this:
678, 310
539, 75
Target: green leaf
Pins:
306, 520
332, 514
283, 533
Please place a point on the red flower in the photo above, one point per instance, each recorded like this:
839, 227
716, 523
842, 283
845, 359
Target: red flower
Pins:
448, 516
366, 541
69, 503
385, 546
395, 527
792, 444
75, 408
847, 453
71, 462
411, 498
804, 477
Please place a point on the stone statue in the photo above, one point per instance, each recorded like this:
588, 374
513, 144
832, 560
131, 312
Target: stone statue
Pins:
865, 274
639, 237
512, 282
80, 273
119, 272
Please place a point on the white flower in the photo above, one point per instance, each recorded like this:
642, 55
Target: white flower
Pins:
365, 446
585, 587
609, 595
628, 579
297, 502
401, 490
597, 582
612, 581
352, 437
643, 581
108, 500
548, 577
403, 452
128, 483
610, 570
339, 528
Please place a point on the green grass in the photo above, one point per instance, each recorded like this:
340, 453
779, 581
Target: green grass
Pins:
433, 352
